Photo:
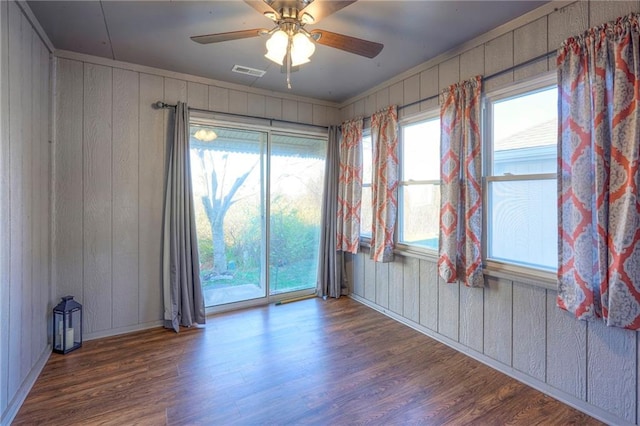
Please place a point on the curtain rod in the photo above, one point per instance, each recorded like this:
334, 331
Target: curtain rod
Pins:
163, 105
490, 76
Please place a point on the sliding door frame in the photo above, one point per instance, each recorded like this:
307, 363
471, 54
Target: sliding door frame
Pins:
269, 128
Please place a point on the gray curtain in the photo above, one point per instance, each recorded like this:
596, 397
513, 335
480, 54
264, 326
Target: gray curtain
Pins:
331, 262
183, 298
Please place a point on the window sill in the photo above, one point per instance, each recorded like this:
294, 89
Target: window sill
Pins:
365, 242
404, 250
418, 252
534, 277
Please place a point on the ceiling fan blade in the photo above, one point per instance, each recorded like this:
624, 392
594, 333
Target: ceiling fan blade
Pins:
260, 6
233, 35
321, 9
350, 44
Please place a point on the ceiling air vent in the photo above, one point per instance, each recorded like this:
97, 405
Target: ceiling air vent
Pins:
248, 71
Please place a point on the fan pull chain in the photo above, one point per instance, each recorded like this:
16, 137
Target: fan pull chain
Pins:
289, 63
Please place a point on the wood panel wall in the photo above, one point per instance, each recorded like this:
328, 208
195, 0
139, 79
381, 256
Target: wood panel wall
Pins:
110, 154
513, 326
25, 168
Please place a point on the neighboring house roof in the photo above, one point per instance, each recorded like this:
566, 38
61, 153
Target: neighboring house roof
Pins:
545, 133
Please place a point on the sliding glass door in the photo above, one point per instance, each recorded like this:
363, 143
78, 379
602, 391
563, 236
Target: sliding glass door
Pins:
296, 184
258, 199
228, 168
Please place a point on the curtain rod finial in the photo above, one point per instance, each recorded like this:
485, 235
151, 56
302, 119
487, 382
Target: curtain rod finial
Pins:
163, 105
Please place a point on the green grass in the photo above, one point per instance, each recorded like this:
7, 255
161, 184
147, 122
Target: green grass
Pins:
292, 276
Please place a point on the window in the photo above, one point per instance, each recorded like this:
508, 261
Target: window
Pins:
521, 178
419, 190
366, 210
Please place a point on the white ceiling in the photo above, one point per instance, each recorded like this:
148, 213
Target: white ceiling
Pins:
156, 34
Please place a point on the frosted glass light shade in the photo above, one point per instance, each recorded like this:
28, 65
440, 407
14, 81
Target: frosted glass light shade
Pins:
307, 19
205, 135
277, 47
302, 48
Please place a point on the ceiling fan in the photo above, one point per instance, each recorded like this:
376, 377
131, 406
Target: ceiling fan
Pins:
290, 44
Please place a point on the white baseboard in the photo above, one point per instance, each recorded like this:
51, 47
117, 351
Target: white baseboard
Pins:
561, 396
17, 401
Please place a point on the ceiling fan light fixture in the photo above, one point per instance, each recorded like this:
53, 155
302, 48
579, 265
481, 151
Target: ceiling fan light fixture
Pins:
297, 61
290, 44
205, 135
301, 49
271, 15
277, 47
306, 18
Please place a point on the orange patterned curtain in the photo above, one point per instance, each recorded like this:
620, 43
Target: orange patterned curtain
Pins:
384, 184
460, 247
598, 177
350, 187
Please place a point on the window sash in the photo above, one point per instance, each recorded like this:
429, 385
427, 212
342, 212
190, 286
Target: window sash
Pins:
534, 252
514, 91
405, 183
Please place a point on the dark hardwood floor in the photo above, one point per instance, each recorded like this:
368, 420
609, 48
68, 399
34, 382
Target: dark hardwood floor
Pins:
310, 362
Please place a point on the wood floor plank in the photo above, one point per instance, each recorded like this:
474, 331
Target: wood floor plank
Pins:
311, 362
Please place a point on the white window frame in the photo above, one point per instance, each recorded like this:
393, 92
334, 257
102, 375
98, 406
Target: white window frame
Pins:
499, 267
402, 246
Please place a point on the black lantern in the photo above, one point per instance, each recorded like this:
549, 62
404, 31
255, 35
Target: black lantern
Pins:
67, 326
